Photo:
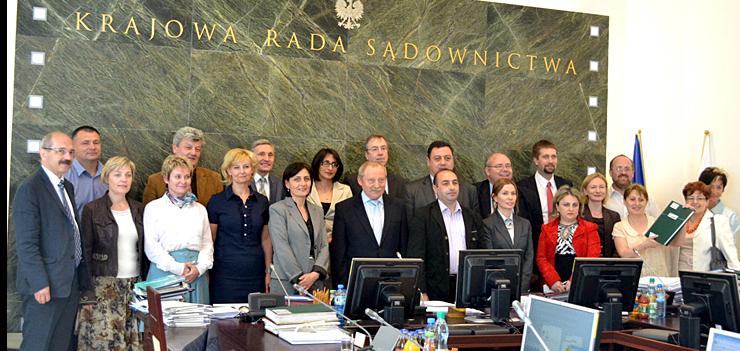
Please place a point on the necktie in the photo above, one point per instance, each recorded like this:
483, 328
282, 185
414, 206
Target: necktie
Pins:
509, 223
549, 201
261, 186
71, 218
377, 221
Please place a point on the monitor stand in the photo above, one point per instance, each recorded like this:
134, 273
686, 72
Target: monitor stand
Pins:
500, 308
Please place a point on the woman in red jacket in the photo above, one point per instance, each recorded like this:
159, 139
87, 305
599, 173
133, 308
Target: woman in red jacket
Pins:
564, 238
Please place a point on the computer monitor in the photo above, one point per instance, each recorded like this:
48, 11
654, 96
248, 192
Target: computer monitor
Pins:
489, 278
723, 340
386, 284
561, 325
708, 299
608, 284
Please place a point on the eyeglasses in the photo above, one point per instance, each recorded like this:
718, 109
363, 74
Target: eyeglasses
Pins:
328, 164
500, 166
696, 199
623, 169
376, 149
60, 150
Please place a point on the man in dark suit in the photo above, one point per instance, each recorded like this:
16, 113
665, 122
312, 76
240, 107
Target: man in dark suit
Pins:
420, 192
437, 234
376, 150
369, 224
51, 270
188, 142
498, 166
263, 181
536, 193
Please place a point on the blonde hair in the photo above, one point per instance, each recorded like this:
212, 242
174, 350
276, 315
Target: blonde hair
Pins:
115, 163
172, 162
586, 181
233, 157
564, 191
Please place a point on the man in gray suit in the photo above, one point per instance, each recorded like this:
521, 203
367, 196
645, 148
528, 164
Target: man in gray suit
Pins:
51, 271
420, 193
264, 182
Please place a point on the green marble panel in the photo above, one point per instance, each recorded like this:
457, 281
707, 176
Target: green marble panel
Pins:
62, 21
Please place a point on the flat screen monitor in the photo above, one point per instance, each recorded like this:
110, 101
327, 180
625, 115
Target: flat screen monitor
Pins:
483, 273
386, 284
723, 340
711, 296
561, 325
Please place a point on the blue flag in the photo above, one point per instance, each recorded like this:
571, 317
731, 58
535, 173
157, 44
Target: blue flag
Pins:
639, 177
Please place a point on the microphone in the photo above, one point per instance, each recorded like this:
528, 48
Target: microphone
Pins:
376, 317
280, 281
520, 312
301, 290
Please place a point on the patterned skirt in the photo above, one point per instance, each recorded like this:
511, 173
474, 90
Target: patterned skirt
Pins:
110, 326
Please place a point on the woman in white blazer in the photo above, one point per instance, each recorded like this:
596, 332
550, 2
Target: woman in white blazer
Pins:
327, 191
298, 233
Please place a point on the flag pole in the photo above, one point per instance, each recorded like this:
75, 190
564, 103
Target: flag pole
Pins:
704, 143
642, 165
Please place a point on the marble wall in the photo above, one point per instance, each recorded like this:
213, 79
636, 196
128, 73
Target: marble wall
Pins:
237, 86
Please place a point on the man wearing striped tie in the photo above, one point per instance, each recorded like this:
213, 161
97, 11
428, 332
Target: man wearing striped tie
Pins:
51, 269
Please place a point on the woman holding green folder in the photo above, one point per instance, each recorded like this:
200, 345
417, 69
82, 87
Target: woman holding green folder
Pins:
629, 235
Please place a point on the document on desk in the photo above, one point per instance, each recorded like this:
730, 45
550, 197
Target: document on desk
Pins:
314, 336
435, 306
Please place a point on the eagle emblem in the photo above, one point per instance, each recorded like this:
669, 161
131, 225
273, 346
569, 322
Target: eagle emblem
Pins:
349, 12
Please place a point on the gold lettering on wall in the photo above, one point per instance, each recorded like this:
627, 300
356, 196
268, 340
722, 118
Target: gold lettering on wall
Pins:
572, 67
406, 47
389, 49
552, 64
271, 38
131, 24
508, 60
457, 55
323, 43
439, 53
81, 22
294, 40
204, 30
531, 61
179, 27
105, 22
477, 56
370, 47
339, 43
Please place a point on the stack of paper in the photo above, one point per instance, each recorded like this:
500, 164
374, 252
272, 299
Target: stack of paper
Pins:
300, 314
317, 336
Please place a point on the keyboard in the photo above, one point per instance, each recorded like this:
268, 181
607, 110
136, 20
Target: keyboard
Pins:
477, 329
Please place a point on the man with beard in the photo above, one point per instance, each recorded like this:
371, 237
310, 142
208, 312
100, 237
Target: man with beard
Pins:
86, 167
51, 270
369, 224
437, 234
498, 166
536, 193
265, 183
420, 192
188, 142
621, 170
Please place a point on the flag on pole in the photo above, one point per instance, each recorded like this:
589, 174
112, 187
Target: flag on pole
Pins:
707, 159
639, 176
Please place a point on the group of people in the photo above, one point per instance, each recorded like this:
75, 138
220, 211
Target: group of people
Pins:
82, 242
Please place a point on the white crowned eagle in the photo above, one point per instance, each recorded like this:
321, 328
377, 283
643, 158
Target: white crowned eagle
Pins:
349, 12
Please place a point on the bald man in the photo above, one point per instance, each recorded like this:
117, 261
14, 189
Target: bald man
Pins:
497, 166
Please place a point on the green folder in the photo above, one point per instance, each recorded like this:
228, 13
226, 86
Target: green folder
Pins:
669, 223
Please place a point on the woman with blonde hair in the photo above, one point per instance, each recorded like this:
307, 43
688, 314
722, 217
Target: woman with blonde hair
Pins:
178, 236
242, 246
564, 238
595, 192
112, 231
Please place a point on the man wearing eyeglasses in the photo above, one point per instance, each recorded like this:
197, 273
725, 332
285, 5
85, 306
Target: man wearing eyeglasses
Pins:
420, 193
497, 166
86, 168
376, 150
622, 170
51, 270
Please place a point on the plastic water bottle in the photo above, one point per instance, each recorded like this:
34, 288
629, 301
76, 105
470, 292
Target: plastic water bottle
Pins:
441, 332
429, 335
652, 307
339, 299
660, 303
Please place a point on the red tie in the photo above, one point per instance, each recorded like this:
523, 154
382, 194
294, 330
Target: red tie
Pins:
549, 201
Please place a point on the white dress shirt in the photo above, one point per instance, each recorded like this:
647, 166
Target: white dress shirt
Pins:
509, 228
542, 192
455, 226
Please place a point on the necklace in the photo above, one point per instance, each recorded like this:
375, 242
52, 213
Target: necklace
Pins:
691, 227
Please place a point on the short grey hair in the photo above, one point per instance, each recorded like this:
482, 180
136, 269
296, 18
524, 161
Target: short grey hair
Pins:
46, 140
369, 164
259, 142
188, 133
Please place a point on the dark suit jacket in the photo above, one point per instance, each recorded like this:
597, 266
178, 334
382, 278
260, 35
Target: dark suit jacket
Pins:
496, 236
428, 241
608, 249
396, 185
420, 193
208, 183
529, 203
483, 189
353, 236
44, 239
276, 188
